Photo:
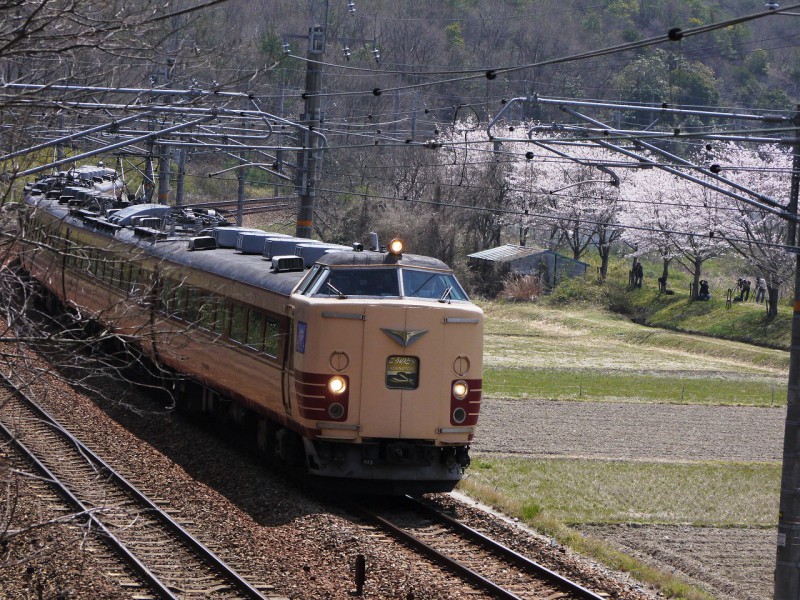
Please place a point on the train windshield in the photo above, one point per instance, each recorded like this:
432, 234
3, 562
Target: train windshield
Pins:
382, 283
343, 283
436, 285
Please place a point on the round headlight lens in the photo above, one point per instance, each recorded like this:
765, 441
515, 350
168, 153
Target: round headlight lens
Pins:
337, 385
460, 389
459, 415
396, 246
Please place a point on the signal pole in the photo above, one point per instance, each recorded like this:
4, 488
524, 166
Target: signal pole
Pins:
308, 158
787, 562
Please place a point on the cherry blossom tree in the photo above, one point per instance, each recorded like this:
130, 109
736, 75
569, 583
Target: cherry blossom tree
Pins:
757, 234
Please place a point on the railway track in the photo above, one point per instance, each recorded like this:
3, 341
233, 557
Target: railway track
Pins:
151, 555
251, 206
480, 560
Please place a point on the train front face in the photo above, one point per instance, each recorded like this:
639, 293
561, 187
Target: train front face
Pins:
388, 360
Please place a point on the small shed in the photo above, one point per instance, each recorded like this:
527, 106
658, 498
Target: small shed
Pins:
495, 263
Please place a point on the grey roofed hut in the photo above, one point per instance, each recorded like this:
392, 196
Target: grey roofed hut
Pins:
495, 264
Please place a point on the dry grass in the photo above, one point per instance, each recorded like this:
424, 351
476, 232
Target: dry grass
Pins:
521, 288
603, 491
534, 337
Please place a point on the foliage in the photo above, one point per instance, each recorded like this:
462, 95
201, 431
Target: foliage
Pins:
577, 290
271, 45
521, 288
455, 36
658, 77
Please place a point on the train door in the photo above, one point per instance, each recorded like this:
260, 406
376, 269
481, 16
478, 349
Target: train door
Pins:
384, 361
425, 397
287, 364
405, 391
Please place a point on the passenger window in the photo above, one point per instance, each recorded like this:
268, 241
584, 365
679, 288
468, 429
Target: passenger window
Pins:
82, 261
207, 312
178, 307
167, 287
237, 323
192, 304
272, 335
255, 329
221, 321
118, 273
99, 265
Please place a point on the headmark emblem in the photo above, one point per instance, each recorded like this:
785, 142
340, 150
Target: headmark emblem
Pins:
404, 338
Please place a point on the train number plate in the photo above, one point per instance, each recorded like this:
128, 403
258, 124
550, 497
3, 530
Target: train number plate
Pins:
402, 372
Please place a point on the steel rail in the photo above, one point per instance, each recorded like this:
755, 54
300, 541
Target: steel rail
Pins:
456, 566
461, 569
186, 537
146, 574
505, 551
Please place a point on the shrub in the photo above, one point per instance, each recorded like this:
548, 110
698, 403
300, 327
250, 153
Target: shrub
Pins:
577, 289
521, 288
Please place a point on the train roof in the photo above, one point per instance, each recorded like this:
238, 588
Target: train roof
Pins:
228, 263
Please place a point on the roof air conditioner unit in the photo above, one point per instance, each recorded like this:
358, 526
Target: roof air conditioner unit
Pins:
203, 242
287, 263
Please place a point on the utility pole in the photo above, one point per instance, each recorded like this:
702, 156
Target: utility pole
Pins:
787, 562
279, 152
179, 184
308, 159
164, 152
241, 176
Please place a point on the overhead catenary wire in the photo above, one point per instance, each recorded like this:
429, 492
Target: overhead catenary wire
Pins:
674, 34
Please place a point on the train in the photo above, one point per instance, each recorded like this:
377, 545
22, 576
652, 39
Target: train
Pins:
360, 366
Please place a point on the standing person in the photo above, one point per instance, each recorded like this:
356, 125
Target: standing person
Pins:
761, 289
739, 290
638, 274
745, 290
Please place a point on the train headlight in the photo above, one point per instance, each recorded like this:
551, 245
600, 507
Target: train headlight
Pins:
396, 246
460, 389
459, 415
337, 385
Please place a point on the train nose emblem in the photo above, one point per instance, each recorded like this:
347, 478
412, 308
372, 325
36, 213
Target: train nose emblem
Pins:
405, 338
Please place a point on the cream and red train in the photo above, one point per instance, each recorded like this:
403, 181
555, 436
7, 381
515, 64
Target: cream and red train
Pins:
355, 365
